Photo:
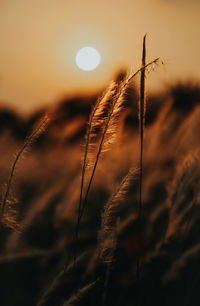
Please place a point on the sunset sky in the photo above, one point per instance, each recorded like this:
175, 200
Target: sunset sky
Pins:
40, 39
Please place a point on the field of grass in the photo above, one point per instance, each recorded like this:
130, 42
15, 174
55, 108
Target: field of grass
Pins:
118, 243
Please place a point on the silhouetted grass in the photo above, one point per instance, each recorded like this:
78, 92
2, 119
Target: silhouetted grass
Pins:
28, 141
115, 236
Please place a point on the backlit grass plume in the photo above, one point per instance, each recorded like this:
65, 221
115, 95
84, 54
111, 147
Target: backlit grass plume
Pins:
102, 112
96, 120
108, 232
10, 219
117, 105
37, 131
107, 237
104, 116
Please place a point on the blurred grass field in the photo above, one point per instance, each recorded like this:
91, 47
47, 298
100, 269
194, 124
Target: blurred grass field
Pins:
45, 194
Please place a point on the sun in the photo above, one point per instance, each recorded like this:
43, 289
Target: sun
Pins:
88, 58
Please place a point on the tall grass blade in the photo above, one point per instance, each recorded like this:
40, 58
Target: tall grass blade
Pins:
142, 110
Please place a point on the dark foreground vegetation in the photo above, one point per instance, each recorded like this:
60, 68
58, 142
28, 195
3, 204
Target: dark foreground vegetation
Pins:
115, 258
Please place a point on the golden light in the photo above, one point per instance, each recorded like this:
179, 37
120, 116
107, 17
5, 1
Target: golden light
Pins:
88, 59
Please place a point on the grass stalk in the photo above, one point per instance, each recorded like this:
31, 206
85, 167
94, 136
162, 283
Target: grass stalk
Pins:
142, 111
28, 141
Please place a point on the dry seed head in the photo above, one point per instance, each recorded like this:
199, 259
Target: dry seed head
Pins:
107, 234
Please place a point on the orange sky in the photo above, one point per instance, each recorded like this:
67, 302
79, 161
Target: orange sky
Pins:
40, 38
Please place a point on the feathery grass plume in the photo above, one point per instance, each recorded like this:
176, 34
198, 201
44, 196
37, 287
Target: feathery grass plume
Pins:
107, 234
101, 113
117, 101
142, 111
111, 133
116, 105
9, 219
80, 295
183, 193
37, 131
96, 120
